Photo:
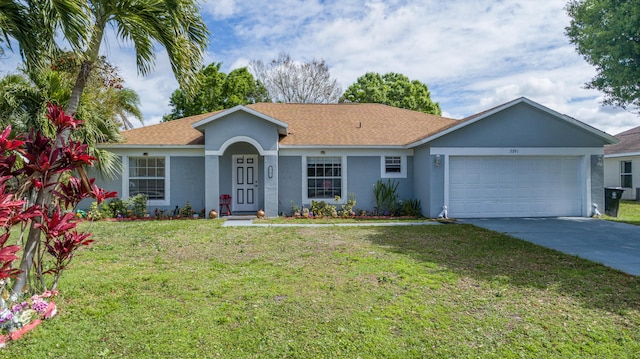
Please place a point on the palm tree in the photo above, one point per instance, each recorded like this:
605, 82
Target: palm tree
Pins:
126, 104
33, 24
174, 24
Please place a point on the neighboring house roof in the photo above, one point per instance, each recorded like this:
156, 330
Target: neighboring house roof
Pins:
629, 143
351, 124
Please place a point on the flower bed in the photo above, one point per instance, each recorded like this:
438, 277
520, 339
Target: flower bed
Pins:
21, 317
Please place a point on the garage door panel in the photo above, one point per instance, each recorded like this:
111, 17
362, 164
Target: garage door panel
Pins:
514, 186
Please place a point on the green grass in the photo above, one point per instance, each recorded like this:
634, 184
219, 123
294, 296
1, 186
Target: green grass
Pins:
629, 212
194, 289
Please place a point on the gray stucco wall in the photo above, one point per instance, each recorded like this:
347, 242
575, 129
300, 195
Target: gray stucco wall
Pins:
241, 124
364, 172
114, 185
520, 126
187, 183
423, 179
597, 182
289, 182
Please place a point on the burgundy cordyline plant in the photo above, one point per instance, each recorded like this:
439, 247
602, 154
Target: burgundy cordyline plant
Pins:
42, 181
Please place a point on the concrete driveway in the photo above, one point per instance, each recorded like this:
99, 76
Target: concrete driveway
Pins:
616, 245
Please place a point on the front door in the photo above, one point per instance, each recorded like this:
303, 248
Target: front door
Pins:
245, 183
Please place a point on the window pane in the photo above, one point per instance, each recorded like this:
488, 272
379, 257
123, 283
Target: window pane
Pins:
393, 164
146, 176
324, 177
626, 181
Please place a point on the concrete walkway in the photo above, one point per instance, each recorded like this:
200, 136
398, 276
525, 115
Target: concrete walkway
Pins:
250, 222
616, 245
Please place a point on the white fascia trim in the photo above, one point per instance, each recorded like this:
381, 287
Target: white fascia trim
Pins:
324, 147
283, 126
351, 152
516, 151
159, 152
220, 153
616, 155
306, 200
125, 146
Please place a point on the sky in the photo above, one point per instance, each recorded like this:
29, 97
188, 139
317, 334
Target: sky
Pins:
472, 54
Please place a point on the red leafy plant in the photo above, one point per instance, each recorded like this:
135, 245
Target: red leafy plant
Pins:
43, 180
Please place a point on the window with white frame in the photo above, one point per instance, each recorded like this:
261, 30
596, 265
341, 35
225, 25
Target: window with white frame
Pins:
393, 166
324, 177
626, 179
147, 176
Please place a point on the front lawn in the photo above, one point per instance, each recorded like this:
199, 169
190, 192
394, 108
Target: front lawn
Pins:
193, 289
629, 212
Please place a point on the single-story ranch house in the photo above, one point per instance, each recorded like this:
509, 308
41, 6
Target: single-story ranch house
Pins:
519, 159
622, 164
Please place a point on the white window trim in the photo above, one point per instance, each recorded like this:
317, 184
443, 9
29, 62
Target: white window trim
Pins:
630, 174
167, 184
306, 200
403, 167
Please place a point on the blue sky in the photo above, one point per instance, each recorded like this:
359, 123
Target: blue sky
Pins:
473, 54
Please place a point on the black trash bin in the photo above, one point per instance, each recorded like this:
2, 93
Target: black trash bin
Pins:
612, 197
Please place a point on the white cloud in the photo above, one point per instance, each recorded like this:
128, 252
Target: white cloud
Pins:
219, 8
472, 54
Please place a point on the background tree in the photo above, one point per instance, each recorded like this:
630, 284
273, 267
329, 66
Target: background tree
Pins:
297, 82
217, 91
392, 89
607, 34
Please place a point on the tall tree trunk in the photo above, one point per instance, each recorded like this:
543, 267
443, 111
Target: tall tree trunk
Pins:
45, 196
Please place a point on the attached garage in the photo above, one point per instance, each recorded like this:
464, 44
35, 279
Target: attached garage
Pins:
505, 186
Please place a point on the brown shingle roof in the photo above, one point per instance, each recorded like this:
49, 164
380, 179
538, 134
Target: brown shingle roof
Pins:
353, 124
629, 142
176, 132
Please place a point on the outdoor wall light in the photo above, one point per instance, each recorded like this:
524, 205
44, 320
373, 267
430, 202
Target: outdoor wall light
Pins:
599, 161
437, 161
270, 171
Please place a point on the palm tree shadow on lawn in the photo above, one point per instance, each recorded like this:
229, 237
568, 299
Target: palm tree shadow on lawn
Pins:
486, 255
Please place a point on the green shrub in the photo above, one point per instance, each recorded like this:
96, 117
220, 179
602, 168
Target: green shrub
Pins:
346, 210
412, 207
186, 211
119, 207
95, 213
139, 205
321, 208
386, 197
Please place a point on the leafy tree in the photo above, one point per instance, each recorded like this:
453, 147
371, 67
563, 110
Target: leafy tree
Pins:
29, 164
217, 91
24, 105
607, 34
392, 89
295, 82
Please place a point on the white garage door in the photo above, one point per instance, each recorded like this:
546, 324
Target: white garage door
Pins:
514, 187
